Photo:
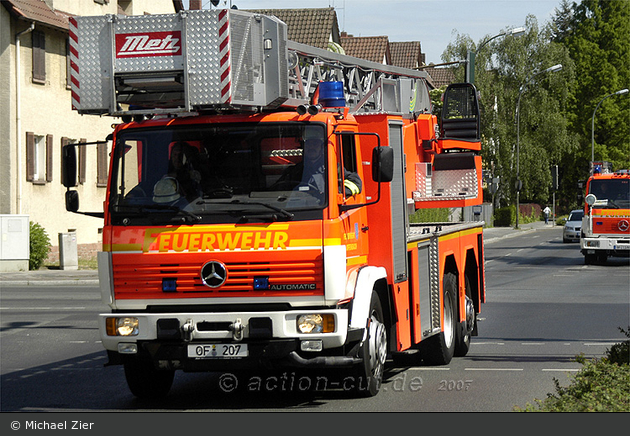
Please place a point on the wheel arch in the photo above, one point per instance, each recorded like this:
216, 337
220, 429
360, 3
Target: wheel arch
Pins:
471, 270
368, 279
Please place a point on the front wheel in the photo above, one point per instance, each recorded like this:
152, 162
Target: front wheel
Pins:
373, 351
147, 382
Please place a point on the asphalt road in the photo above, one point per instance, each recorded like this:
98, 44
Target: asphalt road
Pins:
544, 307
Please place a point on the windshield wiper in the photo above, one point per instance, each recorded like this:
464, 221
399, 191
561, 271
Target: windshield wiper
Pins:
143, 209
284, 213
193, 217
614, 204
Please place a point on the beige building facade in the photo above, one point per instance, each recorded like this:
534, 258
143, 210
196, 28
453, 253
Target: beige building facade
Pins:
36, 117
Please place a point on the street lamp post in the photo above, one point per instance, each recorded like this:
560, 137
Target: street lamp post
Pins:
521, 90
620, 92
470, 60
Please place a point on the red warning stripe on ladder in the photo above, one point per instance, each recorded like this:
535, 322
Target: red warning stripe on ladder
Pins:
225, 68
74, 66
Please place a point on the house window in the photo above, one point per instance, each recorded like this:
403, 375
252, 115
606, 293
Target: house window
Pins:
38, 158
39, 57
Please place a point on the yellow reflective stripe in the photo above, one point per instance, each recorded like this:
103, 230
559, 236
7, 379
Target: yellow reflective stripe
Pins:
351, 186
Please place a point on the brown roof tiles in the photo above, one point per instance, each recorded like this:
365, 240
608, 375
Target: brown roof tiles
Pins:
406, 54
371, 48
314, 27
38, 11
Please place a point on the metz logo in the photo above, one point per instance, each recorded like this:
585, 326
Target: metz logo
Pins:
148, 44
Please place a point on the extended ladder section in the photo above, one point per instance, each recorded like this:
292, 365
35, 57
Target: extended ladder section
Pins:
369, 87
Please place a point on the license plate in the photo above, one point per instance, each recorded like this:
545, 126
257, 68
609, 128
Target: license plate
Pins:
217, 351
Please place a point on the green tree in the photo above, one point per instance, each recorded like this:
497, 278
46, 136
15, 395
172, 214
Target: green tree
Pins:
597, 39
502, 67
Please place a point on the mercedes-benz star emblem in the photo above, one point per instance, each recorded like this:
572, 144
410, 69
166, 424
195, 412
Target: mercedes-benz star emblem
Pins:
623, 225
213, 274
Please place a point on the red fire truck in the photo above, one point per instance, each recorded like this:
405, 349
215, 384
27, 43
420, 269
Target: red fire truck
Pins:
259, 201
606, 223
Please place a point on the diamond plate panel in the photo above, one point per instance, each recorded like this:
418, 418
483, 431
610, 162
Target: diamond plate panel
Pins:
94, 63
448, 185
202, 57
247, 59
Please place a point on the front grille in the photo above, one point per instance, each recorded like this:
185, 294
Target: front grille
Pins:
142, 276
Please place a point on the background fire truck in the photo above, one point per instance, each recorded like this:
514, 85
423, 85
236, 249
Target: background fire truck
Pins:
606, 222
214, 259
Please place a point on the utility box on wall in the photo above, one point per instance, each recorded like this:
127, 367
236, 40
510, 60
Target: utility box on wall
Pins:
14, 243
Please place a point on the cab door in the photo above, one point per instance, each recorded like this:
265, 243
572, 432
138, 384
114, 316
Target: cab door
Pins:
350, 172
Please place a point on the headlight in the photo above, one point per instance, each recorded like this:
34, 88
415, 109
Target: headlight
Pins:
594, 244
316, 323
126, 326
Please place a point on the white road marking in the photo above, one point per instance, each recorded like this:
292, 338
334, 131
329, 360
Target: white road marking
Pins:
42, 308
493, 369
429, 369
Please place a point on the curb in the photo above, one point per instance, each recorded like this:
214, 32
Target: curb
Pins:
58, 282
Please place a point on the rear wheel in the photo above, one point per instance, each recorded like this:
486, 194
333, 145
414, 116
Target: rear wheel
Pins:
147, 382
464, 330
439, 349
373, 352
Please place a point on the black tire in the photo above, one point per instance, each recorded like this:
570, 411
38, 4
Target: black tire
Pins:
589, 259
439, 349
464, 330
146, 382
373, 352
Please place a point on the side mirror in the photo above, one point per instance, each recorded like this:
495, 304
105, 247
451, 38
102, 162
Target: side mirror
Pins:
72, 201
69, 167
382, 164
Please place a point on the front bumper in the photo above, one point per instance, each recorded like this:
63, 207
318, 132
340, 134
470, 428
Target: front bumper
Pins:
272, 339
571, 234
610, 246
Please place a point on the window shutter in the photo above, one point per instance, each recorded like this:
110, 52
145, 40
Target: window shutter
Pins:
101, 164
30, 156
49, 158
82, 160
39, 56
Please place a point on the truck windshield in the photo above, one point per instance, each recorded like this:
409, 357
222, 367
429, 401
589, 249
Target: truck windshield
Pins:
611, 193
246, 172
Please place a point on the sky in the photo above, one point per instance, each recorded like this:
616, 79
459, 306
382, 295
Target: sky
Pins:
435, 23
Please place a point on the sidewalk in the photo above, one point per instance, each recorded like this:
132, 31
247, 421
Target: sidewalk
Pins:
50, 277
495, 233
87, 277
